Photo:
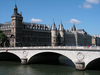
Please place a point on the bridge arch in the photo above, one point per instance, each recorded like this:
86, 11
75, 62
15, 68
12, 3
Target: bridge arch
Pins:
44, 57
94, 64
8, 56
53, 53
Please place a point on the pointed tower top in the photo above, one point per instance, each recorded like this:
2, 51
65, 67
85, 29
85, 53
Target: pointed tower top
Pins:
15, 8
53, 27
15, 13
61, 27
74, 28
15, 1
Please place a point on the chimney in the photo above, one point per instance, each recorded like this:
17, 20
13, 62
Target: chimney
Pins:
31, 23
21, 13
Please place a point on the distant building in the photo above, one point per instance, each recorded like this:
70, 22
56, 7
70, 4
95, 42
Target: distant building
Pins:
96, 40
79, 37
21, 33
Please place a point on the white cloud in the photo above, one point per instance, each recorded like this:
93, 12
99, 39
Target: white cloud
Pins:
35, 20
80, 6
93, 1
74, 21
86, 5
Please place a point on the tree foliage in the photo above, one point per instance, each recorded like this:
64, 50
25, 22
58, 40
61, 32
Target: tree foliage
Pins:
3, 38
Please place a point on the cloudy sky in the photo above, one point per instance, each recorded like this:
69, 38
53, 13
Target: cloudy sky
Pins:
85, 14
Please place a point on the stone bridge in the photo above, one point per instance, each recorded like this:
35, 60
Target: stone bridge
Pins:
80, 56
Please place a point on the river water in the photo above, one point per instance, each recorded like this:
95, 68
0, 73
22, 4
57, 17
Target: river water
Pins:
15, 68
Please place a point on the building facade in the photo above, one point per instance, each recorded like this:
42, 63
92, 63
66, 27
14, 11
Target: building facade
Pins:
96, 40
74, 37
21, 33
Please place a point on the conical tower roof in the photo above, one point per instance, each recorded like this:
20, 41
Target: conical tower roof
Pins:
74, 28
15, 7
15, 13
61, 27
53, 27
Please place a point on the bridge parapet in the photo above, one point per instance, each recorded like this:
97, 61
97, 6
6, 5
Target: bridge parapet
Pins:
52, 47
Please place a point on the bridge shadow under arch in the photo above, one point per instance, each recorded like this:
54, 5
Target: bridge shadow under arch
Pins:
6, 56
94, 65
50, 58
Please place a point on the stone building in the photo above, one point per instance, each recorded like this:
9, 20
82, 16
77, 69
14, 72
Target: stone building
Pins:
21, 33
96, 40
74, 37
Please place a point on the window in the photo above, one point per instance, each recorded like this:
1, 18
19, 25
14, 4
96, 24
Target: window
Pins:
54, 40
13, 23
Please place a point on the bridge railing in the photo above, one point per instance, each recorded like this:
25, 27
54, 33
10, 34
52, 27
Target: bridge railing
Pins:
53, 47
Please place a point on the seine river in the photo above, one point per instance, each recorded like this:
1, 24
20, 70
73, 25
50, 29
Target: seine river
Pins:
15, 68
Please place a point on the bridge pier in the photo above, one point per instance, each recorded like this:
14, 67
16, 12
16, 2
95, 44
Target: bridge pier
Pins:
80, 65
24, 61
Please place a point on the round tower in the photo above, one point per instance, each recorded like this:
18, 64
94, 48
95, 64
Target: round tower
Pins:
53, 35
61, 35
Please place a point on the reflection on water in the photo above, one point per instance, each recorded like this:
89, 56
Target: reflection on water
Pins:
14, 68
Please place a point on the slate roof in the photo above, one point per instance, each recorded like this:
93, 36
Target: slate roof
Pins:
81, 30
1, 24
61, 27
6, 24
74, 28
53, 27
34, 25
15, 13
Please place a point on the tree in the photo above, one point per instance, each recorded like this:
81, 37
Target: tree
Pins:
3, 38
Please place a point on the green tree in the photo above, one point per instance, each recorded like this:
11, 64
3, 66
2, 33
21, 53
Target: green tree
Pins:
3, 38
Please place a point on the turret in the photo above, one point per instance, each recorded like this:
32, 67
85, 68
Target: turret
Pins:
74, 28
53, 35
15, 9
75, 33
61, 35
16, 30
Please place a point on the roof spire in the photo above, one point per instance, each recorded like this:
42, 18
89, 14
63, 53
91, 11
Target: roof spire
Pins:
15, 13
53, 27
15, 9
15, 2
15, 6
74, 28
61, 26
53, 19
60, 22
